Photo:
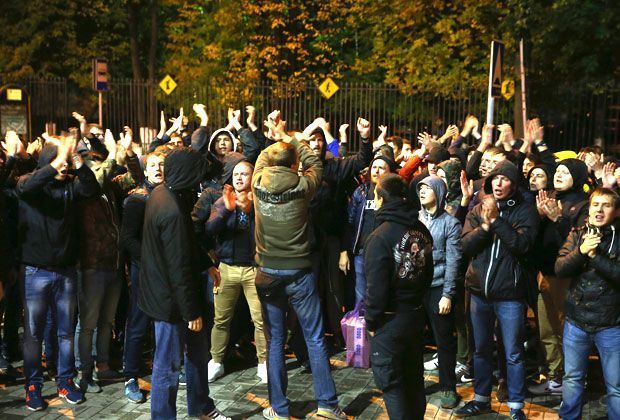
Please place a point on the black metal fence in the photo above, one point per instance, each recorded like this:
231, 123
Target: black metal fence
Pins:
573, 117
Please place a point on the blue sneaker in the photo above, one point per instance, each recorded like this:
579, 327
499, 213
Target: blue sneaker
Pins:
132, 392
34, 400
71, 393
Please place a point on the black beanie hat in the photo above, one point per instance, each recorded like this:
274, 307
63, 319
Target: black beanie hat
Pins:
578, 171
47, 155
506, 168
549, 171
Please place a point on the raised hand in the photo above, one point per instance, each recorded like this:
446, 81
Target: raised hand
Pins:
126, 138
487, 137
201, 112
342, 133
162, 125
425, 139
35, 147
251, 111
609, 175
471, 123
541, 201
363, 127
467, 189
109, 143
553, 209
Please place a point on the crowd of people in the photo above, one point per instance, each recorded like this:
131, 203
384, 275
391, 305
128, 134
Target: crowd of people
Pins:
461, 234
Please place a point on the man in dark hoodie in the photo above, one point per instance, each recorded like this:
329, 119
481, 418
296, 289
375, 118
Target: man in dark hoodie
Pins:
567, 209
498, 233
172, 291
399, 271
47, 206
328, 212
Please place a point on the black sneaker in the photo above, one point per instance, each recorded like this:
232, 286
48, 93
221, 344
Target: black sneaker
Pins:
473, 408
517, 414
182, 379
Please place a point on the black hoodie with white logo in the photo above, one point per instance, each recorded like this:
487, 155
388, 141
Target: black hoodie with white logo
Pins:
398, 263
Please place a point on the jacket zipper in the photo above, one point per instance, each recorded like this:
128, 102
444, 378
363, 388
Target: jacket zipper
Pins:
359, 225
494, 255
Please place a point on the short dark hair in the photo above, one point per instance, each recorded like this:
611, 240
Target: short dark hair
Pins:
282, 154
391, 187
398, 141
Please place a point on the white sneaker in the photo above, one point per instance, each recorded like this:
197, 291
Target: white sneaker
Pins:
546, 388
215, 370
214, 415
459, 370
432, 364
261, 372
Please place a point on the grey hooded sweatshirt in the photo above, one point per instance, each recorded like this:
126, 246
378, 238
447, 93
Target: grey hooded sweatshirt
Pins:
446, 232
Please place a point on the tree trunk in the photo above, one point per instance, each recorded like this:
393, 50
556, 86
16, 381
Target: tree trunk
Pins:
133, 13
154, 33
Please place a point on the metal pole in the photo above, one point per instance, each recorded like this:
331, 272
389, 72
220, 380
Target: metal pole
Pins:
523, 104
101, 108
490, 98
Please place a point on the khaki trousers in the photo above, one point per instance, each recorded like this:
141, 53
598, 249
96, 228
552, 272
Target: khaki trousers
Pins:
234, 280
551, 320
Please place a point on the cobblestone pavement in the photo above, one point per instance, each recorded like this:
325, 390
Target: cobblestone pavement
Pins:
241, 396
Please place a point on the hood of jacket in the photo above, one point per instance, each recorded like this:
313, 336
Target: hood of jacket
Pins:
440, 190
549, 171
184, 169
231, 159
47, 155
506, 168
226, 132
397, 211
278, 179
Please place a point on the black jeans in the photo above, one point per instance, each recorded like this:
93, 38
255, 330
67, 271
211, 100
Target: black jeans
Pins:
398, 365
444, 331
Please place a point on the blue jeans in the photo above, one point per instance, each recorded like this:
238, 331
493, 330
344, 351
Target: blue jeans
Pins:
303, 296
577, 345
360, 278
511, 316
50, 340
98, 293
137, 325
43, 290
170, 341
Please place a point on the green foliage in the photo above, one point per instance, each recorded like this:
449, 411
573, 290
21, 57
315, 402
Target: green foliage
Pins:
417, 45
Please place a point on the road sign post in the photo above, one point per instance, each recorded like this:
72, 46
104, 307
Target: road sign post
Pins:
495, 77
100, 82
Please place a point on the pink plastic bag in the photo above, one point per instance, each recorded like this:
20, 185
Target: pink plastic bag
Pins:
353, 327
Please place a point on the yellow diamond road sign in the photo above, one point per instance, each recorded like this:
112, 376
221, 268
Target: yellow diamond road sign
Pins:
508, 89
328, 88
167, 84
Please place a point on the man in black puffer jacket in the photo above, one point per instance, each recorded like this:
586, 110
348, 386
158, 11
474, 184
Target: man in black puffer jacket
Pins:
398, 263
590, 258
172, 291
498, 233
